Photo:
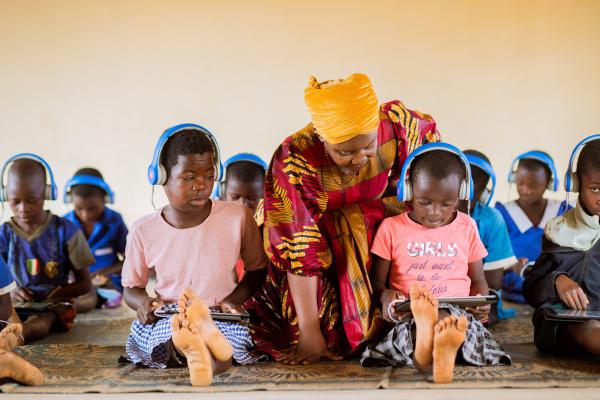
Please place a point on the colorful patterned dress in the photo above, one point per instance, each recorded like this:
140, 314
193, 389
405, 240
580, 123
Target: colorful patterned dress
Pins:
315, 218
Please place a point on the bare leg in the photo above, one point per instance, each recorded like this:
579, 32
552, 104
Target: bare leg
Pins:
11, 336
86, 302
38, 326
424, 309
198, 314
449, 336
586, 335
14, 367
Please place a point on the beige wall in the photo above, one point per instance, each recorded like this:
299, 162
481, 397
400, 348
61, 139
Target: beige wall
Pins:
95, 82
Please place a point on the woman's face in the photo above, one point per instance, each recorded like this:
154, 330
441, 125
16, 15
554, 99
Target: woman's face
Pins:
351, 155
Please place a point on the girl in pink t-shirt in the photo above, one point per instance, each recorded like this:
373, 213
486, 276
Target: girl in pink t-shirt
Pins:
429, 252
192, 245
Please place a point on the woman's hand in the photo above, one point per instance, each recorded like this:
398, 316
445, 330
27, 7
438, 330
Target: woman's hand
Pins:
21, 295
570, 293
387, 297
310, 349
145, 312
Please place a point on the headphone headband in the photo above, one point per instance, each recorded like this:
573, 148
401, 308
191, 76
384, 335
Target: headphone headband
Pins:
157, 175
404, 190
88, 180
51, 190
248, 157
538, 156
485, 166
571, 179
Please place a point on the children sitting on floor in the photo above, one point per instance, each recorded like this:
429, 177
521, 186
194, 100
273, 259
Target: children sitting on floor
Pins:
12, 365
41, 249
526, 216
104, 229
430, 252
193, 245
567, 274
244, 183
492, 229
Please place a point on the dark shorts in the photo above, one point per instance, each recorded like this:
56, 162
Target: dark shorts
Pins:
551, 337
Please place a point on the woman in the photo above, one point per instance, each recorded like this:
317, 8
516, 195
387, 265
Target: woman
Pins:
328, 187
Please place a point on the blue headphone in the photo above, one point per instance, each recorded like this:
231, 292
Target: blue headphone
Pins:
404, 192
88, 180
50, 191
571, 178
541, 157
157, 175
249, 157
488, 192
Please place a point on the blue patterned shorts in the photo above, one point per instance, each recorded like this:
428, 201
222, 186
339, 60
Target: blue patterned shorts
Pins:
151, 345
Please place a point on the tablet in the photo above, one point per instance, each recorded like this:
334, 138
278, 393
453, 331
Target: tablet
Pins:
215, 312
567, 315
466, 301
32, 307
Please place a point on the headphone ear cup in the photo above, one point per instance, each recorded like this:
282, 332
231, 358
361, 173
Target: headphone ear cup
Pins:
574, 182
48, 192
485, 196
462, 192
407, 195
161, 173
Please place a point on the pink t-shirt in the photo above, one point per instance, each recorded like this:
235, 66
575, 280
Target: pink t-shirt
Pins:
202, 257
435, 258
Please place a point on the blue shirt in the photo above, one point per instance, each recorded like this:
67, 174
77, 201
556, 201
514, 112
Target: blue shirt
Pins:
42, 261
7, 283
108, 238
494, 235
526, 239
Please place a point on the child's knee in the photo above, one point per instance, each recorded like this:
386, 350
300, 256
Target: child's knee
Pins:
589, 336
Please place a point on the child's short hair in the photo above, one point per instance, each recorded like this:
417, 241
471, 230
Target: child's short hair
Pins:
245, 172
589, 158
533, 165
480, 177
439, 164
27, 168
86, 191
185, 142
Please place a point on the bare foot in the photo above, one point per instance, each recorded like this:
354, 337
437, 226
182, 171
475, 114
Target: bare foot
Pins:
192, 309
11, 336
424, 309
449, 336
14, 367
189, 342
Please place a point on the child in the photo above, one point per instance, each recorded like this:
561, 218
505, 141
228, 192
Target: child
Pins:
491, 227
567, 274
526, 217
244, 183
11, 365
41, 249
429, 252
244, 180
104, 229
193, 244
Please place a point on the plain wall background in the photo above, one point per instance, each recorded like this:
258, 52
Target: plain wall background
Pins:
94, 83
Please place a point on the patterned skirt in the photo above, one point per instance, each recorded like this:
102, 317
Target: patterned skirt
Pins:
151, 345
396, 349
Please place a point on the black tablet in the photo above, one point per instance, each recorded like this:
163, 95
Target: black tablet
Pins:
32, 307
567, 315
215, 312
466, 301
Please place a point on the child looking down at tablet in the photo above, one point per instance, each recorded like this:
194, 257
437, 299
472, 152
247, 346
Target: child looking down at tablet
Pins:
432, 251
193, 245
567, 274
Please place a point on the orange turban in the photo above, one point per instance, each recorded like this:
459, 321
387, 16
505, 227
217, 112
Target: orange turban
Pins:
342, 109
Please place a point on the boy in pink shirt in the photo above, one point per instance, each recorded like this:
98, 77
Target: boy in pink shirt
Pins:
429, 252
193, 245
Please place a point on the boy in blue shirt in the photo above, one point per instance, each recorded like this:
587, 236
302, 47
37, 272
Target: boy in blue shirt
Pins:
491, 226
41, 249
11, 365
104, 229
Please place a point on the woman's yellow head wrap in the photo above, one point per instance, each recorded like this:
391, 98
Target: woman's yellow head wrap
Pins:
342, 109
